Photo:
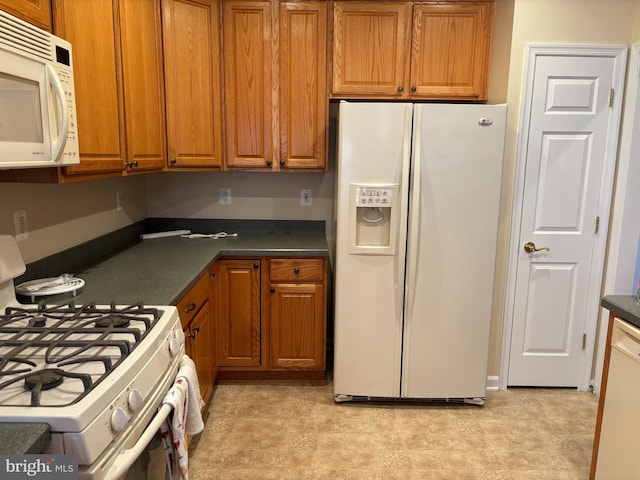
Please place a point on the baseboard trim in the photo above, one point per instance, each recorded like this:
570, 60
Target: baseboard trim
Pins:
493, 383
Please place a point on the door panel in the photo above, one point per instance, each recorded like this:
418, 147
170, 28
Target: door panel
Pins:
378, 27
368, 288
453, 234
248, 62
550, 302
565, 158
238, 313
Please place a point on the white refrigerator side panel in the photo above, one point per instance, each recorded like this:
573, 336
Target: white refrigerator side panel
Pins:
452, 249
373, 148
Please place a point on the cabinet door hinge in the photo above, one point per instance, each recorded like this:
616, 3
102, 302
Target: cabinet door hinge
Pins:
611, 95
597, 228
584, 340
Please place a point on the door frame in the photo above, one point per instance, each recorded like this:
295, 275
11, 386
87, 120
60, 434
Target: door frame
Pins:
621, 273
534, 51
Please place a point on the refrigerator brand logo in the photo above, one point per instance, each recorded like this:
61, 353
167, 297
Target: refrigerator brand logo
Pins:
51, 467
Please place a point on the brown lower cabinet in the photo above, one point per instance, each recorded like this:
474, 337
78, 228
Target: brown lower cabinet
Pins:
236, 288
270, 318
195, 316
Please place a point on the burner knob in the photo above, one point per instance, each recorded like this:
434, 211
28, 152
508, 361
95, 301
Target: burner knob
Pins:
134, 400
118, 419
175, 344
174, 347
178, 334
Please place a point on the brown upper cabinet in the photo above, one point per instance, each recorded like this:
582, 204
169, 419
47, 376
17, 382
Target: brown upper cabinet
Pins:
192, 62
275, 85
411, 50
36, 12
119, 84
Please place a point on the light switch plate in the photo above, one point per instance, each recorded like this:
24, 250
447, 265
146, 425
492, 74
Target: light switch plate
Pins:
305, 198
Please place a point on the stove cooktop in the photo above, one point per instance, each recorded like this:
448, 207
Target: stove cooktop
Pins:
55, 355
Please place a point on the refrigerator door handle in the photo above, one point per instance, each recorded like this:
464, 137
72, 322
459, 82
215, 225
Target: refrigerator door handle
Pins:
414, 213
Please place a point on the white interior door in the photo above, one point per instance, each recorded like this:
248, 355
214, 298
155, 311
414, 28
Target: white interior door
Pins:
569, 136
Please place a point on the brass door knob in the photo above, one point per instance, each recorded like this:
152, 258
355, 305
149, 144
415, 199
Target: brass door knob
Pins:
530, 247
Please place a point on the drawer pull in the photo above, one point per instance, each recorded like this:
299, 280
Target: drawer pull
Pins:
296, 270
191, 307
256, 265
272, 290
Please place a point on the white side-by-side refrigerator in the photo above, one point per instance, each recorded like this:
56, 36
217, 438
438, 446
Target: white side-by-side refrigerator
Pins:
418, 198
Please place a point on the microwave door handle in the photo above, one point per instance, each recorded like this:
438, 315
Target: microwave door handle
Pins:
58, 144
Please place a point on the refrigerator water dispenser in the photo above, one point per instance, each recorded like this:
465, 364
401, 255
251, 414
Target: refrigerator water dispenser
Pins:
372, 219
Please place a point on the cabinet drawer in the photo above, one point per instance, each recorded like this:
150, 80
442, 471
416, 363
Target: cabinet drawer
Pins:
193, 301
296, 270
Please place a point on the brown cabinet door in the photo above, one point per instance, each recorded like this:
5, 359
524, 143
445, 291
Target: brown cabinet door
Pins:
250, 36
143, 78
303, 85
192, 61
201, 351
36, 12
296, 327
237, 297
370, 48
450, 50
98, 83
117, 49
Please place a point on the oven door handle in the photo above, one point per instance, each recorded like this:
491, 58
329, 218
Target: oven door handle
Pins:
126, 458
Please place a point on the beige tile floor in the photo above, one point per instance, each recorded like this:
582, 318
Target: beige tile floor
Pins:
298, 432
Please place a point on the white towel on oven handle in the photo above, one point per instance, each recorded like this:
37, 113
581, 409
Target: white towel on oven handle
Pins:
193, 423
186, 418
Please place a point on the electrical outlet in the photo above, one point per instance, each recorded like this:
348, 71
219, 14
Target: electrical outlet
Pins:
20, 223
118, 201
305, 198
225, 196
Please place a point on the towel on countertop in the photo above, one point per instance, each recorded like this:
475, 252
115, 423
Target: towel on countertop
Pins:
185, 419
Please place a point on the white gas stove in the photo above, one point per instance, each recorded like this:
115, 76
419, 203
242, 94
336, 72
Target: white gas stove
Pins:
96, 374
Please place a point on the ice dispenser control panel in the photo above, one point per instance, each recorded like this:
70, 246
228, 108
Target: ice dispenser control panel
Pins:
373, 219
374, 196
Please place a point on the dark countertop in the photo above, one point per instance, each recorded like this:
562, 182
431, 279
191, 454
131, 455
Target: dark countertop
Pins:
160, 271
121, 268
625, 307
21, 438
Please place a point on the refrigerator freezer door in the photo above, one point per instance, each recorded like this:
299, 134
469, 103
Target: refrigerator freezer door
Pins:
373, 149
453, 231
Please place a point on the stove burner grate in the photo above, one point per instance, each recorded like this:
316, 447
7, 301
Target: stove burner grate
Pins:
70, 336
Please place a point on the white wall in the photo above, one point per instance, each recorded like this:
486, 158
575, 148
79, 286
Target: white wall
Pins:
62, 216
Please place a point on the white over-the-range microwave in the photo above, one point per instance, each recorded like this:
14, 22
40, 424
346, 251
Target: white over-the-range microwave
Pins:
38, 126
